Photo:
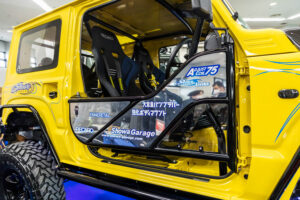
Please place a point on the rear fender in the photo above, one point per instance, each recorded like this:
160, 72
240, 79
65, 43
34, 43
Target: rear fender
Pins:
38, 120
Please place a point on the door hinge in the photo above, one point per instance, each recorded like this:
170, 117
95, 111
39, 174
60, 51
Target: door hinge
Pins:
242, 161
242, 68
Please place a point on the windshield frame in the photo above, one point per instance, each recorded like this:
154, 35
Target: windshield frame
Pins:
235, 15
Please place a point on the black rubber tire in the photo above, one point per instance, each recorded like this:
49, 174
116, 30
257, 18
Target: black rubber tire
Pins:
36, 168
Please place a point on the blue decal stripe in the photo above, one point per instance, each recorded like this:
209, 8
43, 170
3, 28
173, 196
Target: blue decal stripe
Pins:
285, 63
288, 119
283, 71
288, 71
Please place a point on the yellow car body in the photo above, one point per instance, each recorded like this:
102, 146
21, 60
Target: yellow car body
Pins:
266, 61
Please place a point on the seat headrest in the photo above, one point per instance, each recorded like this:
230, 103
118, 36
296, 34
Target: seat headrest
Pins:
106, 40
141, 54
140, 49
212, 42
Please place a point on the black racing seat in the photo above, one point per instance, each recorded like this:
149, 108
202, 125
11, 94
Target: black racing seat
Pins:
116, 72
150, 76
90, 81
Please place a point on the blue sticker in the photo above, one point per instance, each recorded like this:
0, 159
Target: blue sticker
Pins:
25, 88
84, 130
203, 71
189, 83
99, 115
150, 113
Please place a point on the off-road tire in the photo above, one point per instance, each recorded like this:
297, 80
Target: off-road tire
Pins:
36, 167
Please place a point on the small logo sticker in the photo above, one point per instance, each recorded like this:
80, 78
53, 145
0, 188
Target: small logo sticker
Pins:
25, 88
99, 115
191, 83
203, 71
83, 130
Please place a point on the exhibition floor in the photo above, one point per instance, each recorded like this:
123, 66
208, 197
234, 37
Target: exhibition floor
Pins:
78, 191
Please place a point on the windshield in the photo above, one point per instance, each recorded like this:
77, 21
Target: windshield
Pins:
265, 14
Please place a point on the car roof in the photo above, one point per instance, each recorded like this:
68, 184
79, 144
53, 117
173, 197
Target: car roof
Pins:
144, 19
141, 19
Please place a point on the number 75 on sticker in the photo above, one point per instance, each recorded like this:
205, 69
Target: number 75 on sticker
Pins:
203, 71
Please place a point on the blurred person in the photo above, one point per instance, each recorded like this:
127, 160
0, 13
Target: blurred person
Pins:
197, 94
219, 89
194, 95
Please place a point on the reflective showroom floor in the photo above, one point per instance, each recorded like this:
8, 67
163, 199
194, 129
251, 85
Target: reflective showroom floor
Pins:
77, 191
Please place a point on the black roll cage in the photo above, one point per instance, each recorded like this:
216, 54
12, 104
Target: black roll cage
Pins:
230, 157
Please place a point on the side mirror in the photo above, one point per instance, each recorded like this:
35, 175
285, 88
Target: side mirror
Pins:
203, 9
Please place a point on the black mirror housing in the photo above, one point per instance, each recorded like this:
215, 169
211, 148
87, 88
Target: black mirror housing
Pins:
203, 9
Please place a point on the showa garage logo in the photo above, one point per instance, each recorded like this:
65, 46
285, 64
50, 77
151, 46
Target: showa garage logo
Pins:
25, 88
203, 71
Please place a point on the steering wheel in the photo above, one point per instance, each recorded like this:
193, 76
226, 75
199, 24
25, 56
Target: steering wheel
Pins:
173, 55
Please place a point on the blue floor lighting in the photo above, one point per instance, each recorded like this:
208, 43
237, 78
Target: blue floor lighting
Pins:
78, 191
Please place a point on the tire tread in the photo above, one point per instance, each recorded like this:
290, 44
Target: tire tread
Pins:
40, 165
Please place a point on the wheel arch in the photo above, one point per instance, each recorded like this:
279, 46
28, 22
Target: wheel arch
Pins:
39, 121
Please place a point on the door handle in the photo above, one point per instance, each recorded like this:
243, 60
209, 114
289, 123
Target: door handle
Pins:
288, 93
53, 94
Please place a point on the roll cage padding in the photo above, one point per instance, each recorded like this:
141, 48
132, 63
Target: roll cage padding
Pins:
212, 42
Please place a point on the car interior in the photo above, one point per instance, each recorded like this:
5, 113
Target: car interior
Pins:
122, 48
118, 44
